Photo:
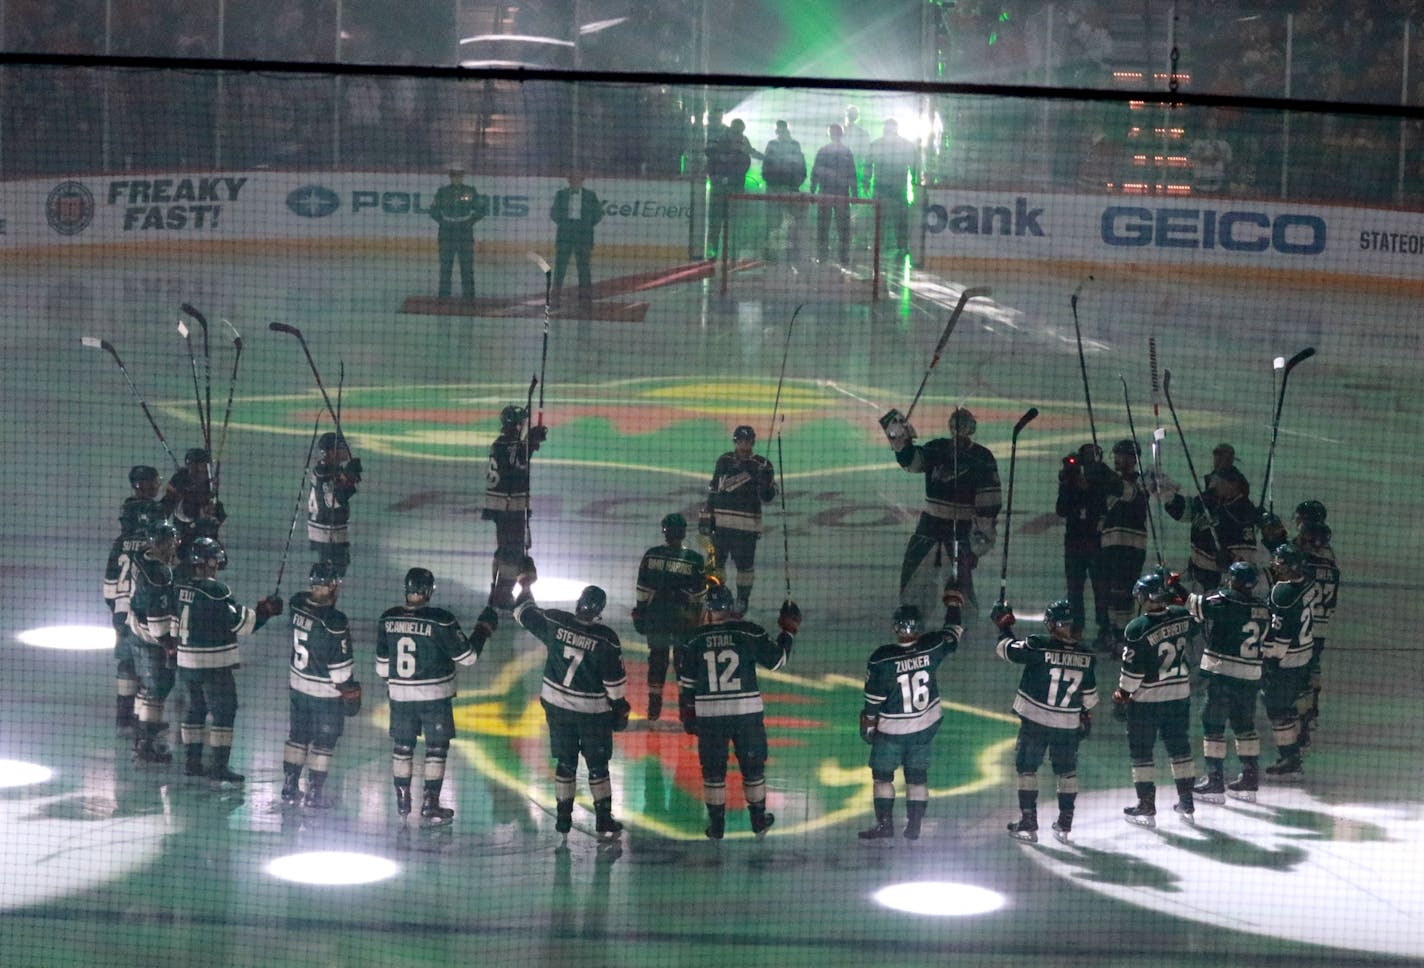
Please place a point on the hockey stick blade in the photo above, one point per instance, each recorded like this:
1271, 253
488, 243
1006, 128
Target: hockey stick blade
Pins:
192, 311
285, 328
1298, 359
94, 342
1029, 414
538, 260
973, 292
236, 336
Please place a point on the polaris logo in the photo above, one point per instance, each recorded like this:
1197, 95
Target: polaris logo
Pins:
985, 219
1193, 228
313, 201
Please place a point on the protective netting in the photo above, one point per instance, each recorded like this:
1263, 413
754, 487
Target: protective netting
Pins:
446, 248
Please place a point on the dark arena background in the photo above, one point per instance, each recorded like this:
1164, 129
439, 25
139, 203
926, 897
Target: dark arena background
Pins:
1124, 189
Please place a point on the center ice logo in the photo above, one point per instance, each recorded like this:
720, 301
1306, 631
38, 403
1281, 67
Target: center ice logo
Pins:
816, 775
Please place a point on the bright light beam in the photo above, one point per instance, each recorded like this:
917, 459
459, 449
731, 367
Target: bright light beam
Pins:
69, 638
940, 899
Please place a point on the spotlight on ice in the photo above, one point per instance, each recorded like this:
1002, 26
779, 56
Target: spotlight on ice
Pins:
941, 899
17, 773
332, 868
70, 638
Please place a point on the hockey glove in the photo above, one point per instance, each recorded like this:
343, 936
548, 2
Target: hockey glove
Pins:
705, 525
1121, 697
1174, 585
269, 607
1002, 615
621, 711
789, 618
1085, 724
528, 573
687, 713
897, 430
488, 621
353, 469
953, 596
981, 536
537, 435
350, 696
868, 724
640, 621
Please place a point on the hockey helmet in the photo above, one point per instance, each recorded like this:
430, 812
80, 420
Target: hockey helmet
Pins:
674, 526
719, 599
1126, 447
142, 474
208, 552
962, 423
1058, 619
420, 581
590, 603
1090, 454
1152, 589
324, 573
744, 432
1242, 576
512, 416
161, 531
197, 455
1315, 535
1287, 560
330, 441
906, 621
1309, 511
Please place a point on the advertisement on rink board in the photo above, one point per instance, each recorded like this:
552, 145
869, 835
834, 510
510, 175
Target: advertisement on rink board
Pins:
260, 205
655, 215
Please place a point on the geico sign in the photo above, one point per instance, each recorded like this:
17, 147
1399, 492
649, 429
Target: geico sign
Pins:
1194, 228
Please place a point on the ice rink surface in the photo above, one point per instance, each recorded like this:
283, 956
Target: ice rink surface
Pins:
110, 864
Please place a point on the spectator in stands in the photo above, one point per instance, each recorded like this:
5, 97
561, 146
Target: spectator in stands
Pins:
833, 175
889, 166
783, 168
576, 210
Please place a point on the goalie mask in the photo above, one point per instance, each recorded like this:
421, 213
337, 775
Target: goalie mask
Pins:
962, 423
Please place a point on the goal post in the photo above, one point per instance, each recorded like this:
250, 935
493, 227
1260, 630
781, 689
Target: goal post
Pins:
780, 235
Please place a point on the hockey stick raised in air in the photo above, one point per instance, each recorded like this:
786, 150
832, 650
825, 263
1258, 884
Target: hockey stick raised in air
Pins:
538, 260
297, 510
207, 373
1082, 360
1284, 366
833, 385
335, 417
203, 429
1186, 452
785, 521
227, 413
785, 351
96, 343
1132, 429
964, 297
1029, 414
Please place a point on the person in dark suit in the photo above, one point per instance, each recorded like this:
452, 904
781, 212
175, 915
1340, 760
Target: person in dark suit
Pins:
576, 210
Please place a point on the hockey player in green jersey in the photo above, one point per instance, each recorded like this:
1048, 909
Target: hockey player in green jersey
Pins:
1155, 686
1236, 622
209, 624
1288, 650
961, 495
417, 649
720, 702
1314, 539
671, 584
582, 696
507, 499
742, 481
902, 713
1058, 689
1225, 510
322, 690
152, 624
128, 547
334, 480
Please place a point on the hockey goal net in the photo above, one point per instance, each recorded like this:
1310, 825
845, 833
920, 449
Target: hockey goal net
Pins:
797, 241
